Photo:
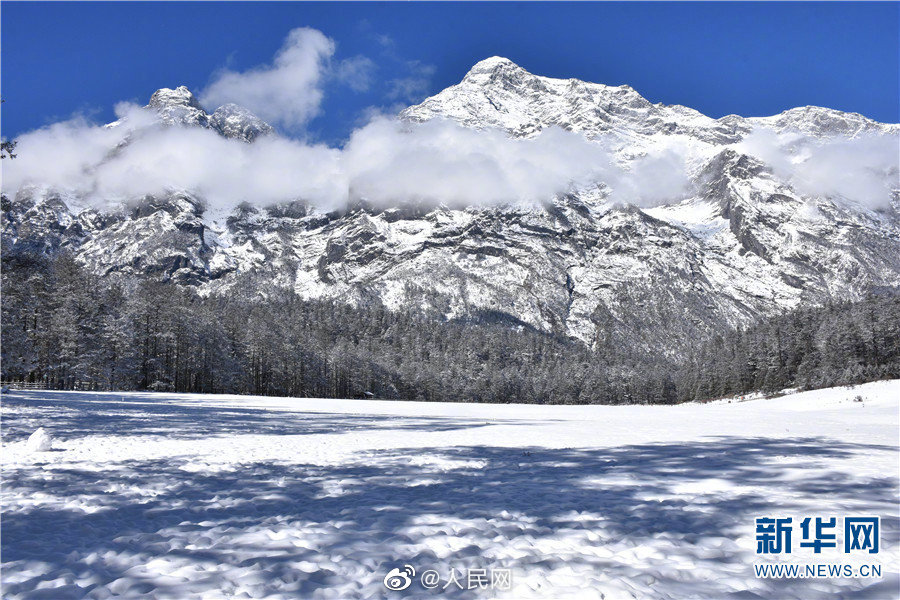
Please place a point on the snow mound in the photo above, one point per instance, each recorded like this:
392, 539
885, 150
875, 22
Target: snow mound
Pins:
39, 441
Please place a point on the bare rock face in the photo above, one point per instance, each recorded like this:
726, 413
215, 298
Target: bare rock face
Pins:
745, 244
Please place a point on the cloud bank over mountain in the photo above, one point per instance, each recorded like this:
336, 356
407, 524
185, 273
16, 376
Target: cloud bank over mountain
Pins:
390, 161
385, 162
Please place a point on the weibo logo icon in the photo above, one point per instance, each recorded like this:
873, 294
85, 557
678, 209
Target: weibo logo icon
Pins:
399, 579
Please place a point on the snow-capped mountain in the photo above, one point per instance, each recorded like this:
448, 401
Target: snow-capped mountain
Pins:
498, 93
746, 242
181, 107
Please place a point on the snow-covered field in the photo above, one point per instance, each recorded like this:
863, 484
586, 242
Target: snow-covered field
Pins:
185, 496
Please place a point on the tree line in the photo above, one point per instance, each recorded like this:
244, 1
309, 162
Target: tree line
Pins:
67, 328
841, 343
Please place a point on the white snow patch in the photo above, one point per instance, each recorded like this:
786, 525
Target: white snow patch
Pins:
39, 441
191, 496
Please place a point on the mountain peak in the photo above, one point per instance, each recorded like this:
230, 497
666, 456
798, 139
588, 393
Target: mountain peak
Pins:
237, 122
492, 65
493, 62
180, 107
180, 96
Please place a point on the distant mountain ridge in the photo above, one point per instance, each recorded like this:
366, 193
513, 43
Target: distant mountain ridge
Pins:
181, 107
498, 93
746, 244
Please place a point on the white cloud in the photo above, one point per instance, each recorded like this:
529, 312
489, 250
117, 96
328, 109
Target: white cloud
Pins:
415, 86
386, 162
440, 162
224, 172
385, 40
662, 176
863, 170
356, 73
79, 158
62, 154
287, 92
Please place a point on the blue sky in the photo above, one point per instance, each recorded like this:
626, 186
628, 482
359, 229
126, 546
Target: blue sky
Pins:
61, 59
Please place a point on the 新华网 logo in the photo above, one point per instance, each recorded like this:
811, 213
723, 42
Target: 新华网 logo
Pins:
775, 535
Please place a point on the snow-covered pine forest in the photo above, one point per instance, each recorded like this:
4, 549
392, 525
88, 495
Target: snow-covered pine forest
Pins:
70, 329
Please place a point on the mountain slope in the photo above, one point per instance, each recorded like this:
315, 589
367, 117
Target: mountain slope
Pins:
744, 243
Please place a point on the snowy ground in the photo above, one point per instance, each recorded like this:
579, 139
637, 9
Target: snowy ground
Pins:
183, 496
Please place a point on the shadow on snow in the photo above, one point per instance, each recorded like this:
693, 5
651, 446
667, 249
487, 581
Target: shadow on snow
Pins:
366, 525
69, 416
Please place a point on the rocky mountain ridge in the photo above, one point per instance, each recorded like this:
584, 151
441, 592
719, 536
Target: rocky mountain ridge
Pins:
179, 107
498, 93
745, 244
